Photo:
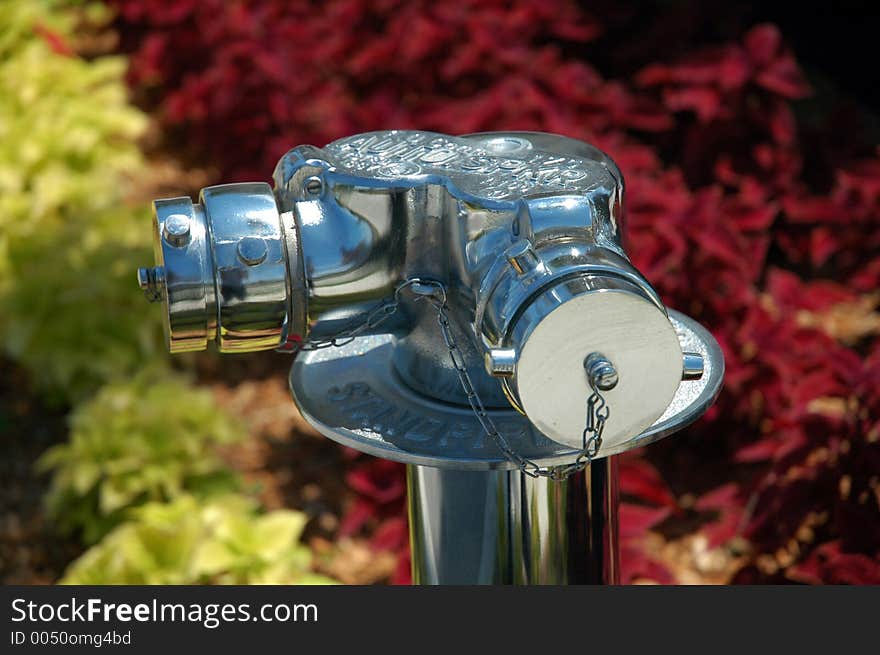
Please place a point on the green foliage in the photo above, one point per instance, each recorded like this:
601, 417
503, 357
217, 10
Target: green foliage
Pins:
72, 314
69, 309
140, 470
223, 541
147, 439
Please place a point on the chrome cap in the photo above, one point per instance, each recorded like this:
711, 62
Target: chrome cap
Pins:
601, 327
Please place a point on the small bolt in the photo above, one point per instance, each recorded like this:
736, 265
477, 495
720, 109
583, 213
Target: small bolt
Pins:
692, 366
501, 362
522, 257
150, 280
314, 186
252, 250
176, 230
600, 372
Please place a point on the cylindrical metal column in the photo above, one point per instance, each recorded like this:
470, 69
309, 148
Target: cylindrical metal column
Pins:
503, 527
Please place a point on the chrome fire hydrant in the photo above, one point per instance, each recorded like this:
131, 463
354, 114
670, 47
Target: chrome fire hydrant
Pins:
460, 304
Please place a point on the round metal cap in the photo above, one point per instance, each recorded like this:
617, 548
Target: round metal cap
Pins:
635, 339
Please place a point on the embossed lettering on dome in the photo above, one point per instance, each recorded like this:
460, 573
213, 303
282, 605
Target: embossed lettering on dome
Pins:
472, 167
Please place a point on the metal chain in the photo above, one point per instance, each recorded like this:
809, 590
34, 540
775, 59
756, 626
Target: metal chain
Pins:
374, 318
434, 292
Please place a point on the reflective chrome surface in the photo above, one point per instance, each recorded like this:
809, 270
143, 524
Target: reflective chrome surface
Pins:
354, 395
523, 232
503, 527
250, 267
693, 366
516, 226
611, 314
183, 276
222, 269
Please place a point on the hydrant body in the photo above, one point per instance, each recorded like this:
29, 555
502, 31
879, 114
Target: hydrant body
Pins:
483, 308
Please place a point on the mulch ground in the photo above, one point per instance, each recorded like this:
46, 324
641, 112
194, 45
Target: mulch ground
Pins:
30, 551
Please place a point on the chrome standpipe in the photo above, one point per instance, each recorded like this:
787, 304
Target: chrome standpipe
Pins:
504, 527
460, 304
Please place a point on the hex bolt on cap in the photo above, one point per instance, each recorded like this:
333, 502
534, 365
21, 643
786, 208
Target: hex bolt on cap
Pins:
601, 372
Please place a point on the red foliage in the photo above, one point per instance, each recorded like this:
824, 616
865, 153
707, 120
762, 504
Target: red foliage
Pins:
646, 501
55, 41
737, 216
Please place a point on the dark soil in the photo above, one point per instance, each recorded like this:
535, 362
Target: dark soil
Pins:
30, 551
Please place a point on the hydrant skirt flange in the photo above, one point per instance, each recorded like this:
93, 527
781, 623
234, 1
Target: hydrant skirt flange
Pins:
353, 395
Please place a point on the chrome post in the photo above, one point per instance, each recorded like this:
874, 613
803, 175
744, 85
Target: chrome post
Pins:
504, 527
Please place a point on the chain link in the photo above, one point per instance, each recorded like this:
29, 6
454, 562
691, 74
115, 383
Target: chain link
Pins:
373, 319
434, 292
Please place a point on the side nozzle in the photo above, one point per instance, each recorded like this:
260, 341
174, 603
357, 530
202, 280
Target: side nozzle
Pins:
221, 269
